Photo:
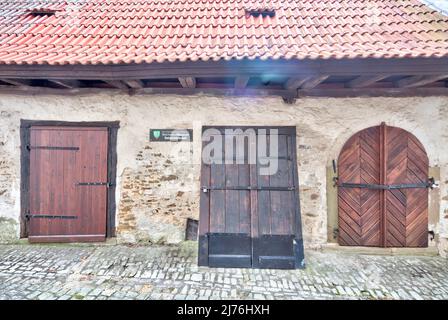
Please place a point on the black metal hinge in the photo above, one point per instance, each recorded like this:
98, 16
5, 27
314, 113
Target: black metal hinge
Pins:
107, 184
28, 147
432, 235
335, 233
430, 184
48, 216
248, 188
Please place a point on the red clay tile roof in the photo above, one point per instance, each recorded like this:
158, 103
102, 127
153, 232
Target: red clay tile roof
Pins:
138, 31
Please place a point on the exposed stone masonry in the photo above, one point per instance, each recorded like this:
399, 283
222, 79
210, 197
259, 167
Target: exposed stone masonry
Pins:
158, 195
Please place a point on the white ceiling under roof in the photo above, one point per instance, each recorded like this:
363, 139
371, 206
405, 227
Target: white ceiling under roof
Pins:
440, 5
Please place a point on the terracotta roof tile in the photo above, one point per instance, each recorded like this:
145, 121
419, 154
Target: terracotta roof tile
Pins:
145, 31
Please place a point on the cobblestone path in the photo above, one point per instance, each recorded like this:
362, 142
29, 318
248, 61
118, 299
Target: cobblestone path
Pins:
144, 272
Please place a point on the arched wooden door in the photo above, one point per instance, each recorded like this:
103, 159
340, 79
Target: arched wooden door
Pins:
383, 189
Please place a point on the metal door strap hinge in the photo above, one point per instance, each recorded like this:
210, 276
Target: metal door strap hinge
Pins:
52, 148
430, 184
107, 184
48, 216
249, 188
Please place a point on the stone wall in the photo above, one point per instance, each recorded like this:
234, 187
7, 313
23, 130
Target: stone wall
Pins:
158, 183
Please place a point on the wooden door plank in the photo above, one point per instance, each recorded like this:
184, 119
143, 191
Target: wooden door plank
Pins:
204, 213
383, 180
217, 198
264, 201
244, 199
232, 199
254, 200
280, 206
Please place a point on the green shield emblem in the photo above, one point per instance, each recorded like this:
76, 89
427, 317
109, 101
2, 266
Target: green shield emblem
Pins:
156, 134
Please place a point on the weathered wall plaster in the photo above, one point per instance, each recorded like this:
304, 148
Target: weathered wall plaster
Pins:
158, 183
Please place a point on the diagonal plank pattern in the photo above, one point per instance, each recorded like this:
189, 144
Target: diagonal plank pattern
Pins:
359, 215
372, 217
406, 209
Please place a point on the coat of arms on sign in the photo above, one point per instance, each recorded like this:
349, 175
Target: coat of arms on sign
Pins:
170, 135
156, 134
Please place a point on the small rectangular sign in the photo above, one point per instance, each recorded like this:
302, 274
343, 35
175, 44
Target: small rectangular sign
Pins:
170, 135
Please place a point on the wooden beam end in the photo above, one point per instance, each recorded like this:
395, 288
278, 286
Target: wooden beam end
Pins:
187, 82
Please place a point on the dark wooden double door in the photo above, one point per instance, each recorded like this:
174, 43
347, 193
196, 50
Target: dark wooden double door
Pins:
249, 219
383, 189
67, 184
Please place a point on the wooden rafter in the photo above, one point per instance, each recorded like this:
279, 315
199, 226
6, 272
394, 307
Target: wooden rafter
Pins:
365, 81
117, 84
314, 81
418, 81
295, 83
70, 84
17, 82
187, 82
241, 82
134, 84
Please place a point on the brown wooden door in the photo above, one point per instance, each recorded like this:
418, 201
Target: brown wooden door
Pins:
249, 219
383, 189
68, 184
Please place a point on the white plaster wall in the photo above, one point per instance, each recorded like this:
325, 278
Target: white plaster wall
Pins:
323, 125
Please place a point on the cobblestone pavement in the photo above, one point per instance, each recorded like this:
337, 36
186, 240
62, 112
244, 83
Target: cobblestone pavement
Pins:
121, 272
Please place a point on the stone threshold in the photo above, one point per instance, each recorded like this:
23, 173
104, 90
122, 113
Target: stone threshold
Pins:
24, 241
333, 247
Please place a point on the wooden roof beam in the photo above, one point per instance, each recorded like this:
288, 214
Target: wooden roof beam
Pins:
117, 84
418, 81
289, 68
295, 83
241, 82
187, 82
69, 84
18, 82
134, 84
365, 81
314, 81
373, 92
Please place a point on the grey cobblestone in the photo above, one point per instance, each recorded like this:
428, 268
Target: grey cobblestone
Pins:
118, 272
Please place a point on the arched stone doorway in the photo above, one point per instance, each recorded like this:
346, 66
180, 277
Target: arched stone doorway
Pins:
383, 189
